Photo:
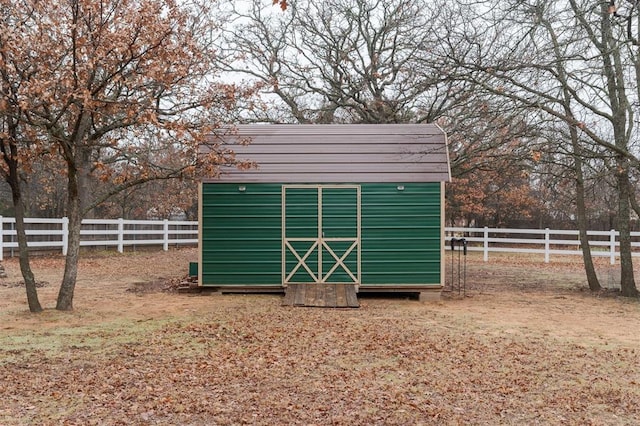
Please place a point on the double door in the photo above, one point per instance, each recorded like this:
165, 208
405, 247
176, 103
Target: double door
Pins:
321, 234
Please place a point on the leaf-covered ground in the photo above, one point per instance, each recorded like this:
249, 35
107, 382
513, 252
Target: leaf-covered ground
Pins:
518, 349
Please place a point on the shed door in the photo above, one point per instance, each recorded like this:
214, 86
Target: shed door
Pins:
321, 234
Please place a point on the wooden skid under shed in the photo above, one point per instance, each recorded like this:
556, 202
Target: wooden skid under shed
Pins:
321, 295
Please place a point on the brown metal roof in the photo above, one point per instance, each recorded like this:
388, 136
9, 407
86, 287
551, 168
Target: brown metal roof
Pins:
338, 153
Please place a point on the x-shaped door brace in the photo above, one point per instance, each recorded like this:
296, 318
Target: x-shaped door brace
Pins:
301, 261
339, 259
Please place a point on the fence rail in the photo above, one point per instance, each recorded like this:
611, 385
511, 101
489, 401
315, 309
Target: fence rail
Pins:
541, 241
52, 234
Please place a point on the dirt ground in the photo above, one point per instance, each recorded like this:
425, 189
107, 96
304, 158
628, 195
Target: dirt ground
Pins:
522, 342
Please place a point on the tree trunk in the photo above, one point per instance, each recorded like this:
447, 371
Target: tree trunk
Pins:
23, 250
581, 212
581, 215
78, 191
627, 281
67, 288
10, 155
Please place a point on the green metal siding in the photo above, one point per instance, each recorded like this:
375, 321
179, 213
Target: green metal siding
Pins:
302, 212
242, 233
401, 237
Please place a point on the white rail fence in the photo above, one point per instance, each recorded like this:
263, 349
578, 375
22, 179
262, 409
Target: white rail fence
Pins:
541, 241
52, 234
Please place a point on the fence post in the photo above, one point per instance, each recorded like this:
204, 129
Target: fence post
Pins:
120, 235
486, 244
65, 235
612, 247
1, 240
546, 245
165, 228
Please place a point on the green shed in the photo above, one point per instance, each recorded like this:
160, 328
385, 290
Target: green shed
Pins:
361, 205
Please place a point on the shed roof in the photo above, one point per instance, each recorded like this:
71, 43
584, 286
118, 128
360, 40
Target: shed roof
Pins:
338, 153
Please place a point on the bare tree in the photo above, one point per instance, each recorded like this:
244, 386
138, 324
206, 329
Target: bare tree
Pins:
570, 61
342, 61
106, 84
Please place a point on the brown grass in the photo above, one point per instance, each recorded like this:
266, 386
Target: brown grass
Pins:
527, 344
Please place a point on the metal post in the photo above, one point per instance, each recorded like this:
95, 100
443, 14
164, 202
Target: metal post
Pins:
459, 278
453, 246
464, 280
